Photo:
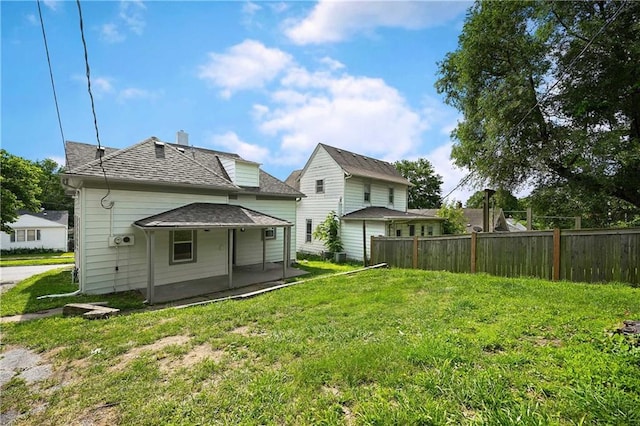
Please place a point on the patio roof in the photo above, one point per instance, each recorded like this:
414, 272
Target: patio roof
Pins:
384, 214
211, 215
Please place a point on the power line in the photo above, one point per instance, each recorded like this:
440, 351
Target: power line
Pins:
93, 108
53, 86
553, 86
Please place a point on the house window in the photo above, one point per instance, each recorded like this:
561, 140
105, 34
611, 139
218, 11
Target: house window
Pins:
319, 186
183, 246
430, 230
270, 233
367, 193
390, 195
422, 231
21, 235
309, 231
412, 230
398, 232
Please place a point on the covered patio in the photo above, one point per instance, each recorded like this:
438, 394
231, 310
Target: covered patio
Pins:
249, 276
225, 217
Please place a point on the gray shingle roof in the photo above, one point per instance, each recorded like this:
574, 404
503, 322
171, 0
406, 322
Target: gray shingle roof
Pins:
58, 216
211, 215
185, 165
293, 180
155, 162
473, 218
363, 166
383, 213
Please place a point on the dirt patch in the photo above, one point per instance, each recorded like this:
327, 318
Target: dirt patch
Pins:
24, 364
153, 347
243, 331
541, 341
194, 356
103, 415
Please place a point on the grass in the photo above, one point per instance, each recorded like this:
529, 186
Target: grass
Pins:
378, 347
23, 298
37, 259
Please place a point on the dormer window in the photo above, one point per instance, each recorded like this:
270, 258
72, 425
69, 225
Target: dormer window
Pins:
367, 192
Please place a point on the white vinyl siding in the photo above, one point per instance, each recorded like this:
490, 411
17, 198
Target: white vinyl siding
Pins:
98, 261
351, 234
316, 206
354, 195
249, 243
247, 174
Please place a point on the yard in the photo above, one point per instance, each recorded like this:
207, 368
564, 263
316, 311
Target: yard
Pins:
55, 258
378, 347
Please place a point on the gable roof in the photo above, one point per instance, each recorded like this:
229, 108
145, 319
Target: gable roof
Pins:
363, 166
155, 161
58, 216
293, 180
210, 215
384, 213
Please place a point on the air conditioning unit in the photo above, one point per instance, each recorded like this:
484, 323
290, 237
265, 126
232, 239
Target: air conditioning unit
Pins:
121, 240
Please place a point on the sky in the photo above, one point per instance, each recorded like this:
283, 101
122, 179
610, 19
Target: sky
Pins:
265, 80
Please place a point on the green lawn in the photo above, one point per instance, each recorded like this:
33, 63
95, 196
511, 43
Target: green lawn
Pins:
378, 347
37, 259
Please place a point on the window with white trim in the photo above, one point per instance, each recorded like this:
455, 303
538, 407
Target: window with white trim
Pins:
309, 233
367, 192
319, 186
270, 233
21, 235
183, 246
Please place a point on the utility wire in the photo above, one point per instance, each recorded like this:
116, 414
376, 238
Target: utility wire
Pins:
53, 86
553, 86
93, 108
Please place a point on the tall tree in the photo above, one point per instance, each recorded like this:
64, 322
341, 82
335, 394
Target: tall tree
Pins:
426, 192
550, 95
19, 188
53, 195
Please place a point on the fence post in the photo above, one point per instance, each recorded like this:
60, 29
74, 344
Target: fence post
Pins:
415, 252
556, 254
371, 251
474, 243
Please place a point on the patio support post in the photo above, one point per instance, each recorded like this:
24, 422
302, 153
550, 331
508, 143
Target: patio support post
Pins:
230, 256
264, 250
285, 251
151, 243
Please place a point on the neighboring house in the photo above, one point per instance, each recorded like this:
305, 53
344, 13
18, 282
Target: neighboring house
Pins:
368, 195
157, 214
473, 219
47, 229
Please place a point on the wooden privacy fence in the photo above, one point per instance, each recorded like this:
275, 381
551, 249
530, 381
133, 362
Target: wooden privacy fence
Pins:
599, 255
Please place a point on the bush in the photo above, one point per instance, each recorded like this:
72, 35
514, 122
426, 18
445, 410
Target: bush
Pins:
15, 251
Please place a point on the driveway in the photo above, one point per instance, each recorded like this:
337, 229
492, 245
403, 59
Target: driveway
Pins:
11, 275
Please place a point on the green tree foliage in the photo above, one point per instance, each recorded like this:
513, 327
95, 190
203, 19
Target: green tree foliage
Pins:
329, 233
502, 198
426, 192
454, 219
550, 95
53, 196
19, 188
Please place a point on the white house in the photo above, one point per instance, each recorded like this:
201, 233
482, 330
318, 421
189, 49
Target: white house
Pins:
47, 229
368, 195
176, 220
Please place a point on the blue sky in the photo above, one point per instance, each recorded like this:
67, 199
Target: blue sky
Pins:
266, 80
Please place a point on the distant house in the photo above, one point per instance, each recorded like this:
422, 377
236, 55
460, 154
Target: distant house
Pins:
473, 219
47, 229
174, 220
368, 195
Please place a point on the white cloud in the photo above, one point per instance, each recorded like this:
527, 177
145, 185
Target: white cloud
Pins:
278, 7
110, 33
332, 21
331, 63
131, 13
51, 4
250, 8
133, 93
247, 65
230, 141
102, 85
360, 114
452, 175
32, 19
